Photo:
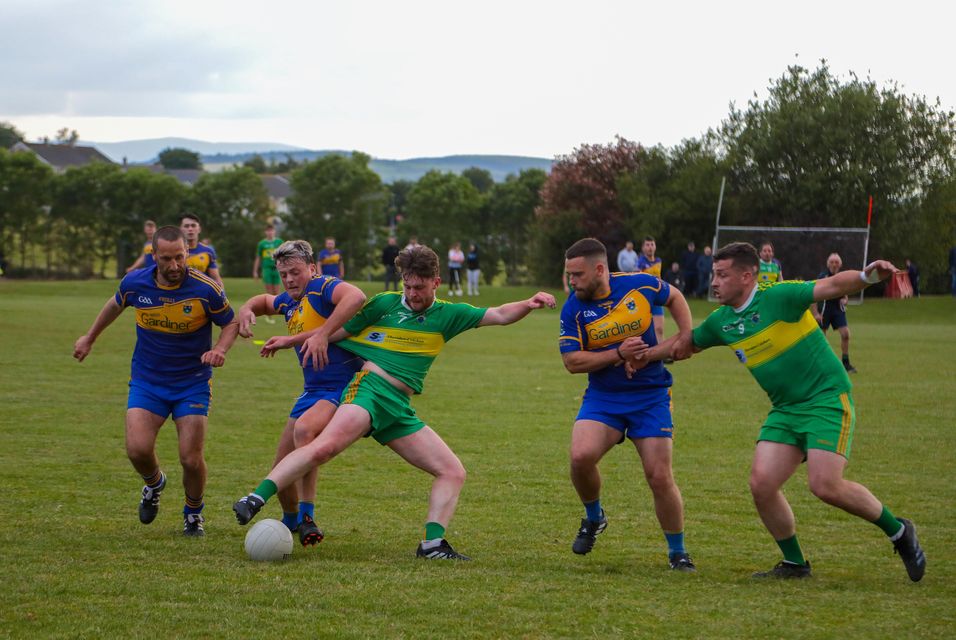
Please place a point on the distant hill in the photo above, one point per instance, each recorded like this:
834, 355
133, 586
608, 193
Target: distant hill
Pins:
391, 170
146, 151
217, 155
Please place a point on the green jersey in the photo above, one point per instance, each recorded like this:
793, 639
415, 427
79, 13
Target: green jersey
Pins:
265, 249
778, 340
769, 271
404, 343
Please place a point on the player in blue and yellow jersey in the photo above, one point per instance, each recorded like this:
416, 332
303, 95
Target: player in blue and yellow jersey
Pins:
331, 260
201, 257
648, 262
772, 333
172, 366
145, 259
399, 335
606, 322
310, 302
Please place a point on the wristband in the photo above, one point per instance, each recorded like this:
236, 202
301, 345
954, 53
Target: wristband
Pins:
872, 278
619, 353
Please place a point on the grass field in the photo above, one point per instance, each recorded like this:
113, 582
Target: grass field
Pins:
77, 563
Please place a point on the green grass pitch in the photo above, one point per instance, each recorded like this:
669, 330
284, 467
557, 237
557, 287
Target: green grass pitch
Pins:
76, 562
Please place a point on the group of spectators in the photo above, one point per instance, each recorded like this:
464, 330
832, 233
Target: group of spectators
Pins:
691, 274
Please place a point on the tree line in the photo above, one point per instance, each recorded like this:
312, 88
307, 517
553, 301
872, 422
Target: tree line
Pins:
809, 154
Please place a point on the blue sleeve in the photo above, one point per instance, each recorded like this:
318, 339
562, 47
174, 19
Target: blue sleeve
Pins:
219, 308
212, 259
126, 287
570, 338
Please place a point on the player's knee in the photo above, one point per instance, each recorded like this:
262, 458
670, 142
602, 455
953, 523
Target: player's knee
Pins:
583, 459
826, 489
192, 461
303, 433
761, 488
659, 478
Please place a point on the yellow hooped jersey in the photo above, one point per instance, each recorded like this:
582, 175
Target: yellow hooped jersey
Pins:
202, 258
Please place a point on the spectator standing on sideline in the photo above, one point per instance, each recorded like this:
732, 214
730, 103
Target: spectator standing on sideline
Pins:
705, 269
456, 259
332, 261
912, 271
674, 277
389, 253
412, 242
473, 268
627, 258
832, 313
688, 268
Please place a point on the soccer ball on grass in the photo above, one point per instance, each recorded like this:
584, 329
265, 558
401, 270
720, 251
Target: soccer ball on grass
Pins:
268, 540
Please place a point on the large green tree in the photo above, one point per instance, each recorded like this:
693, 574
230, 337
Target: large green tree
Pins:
179, 158
25, 186
443, 208
83, 222
233, 206
9, 135
339, 196
511, 207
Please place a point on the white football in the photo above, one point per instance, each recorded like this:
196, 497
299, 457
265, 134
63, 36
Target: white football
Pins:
268, 540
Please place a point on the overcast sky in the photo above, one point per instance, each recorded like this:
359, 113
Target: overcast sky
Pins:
405, 79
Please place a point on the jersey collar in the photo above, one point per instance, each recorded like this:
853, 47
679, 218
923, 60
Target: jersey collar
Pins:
423, 311
747, 302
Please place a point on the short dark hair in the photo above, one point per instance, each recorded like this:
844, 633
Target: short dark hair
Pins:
417, 261
190, 216
766, 243
586, 248
650, 239
742, 255
168, 233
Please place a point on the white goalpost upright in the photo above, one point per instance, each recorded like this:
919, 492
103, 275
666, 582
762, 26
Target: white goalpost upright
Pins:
802, 251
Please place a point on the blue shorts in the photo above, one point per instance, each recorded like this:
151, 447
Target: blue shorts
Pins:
833, 316
185, 400
656, 310
640, 414
310, 397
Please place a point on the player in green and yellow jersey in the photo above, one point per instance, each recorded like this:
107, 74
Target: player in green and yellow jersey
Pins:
770, 269
264, 260
399, 335
772, 332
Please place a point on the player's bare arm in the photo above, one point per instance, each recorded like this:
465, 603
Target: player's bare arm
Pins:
214, 274
260, 305
216, 356
511, 312
847, 283
348, 300
255, 267
110, 312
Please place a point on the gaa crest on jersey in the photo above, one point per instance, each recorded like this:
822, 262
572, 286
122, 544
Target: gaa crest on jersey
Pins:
187, 309
631, 306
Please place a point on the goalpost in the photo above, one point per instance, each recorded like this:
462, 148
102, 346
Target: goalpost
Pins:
802, 251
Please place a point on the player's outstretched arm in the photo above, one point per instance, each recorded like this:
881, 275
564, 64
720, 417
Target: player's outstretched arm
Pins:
227, 336
348, 299
682, 346
511, 312
260, 305
847, 283
110, 312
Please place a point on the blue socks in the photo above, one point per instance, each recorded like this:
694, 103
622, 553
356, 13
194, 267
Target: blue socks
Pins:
290, 520
594, 510
675, 543
306, 508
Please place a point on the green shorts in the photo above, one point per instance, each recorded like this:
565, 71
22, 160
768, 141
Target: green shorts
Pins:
270, 275
826, 424
391, 412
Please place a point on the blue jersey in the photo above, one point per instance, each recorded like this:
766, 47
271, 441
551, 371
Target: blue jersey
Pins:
598, 325
173, 325
311, 312
652, 267
202, 258
330, 261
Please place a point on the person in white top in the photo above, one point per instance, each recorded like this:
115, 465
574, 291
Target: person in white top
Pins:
456, 259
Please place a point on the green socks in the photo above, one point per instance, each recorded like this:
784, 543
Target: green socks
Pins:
888, 523
266, 489
433, 531
791, 550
